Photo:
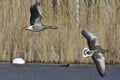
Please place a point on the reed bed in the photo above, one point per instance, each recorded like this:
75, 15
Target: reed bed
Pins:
64, 45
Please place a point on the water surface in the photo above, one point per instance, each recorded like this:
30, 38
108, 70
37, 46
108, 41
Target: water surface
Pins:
56, 72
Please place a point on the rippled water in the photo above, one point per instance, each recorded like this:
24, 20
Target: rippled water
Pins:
56, 72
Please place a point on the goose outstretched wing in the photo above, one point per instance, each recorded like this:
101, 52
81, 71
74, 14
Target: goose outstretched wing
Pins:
99, 61
91, 39
36, 17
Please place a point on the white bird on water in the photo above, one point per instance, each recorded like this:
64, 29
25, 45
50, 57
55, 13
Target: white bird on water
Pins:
96, 52
18, 61
35, 20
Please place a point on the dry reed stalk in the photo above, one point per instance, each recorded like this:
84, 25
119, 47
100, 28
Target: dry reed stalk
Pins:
65, 44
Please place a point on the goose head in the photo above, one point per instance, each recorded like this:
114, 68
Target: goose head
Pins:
28, 28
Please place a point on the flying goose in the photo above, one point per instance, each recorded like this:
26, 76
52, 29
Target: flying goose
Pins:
95, 51
35, 20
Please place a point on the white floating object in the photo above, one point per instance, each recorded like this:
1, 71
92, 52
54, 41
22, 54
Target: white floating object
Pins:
84, 52
18, 61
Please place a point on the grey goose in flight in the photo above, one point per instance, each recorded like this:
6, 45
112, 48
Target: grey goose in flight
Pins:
35, 20
96, 52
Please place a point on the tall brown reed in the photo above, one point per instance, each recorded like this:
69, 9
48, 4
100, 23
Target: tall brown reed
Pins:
65, 44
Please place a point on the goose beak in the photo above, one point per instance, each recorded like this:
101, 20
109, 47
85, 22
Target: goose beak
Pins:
24, 27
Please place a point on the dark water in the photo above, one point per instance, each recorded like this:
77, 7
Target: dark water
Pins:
56, 72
